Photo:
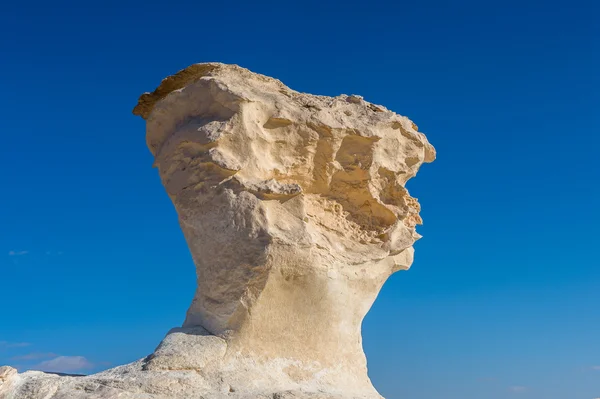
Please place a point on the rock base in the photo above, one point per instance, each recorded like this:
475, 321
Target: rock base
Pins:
189, 363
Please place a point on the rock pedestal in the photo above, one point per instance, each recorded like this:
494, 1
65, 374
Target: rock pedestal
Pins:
295, 212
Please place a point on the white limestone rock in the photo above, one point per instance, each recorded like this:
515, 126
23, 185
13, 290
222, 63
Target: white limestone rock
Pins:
295, 212
187, 349
7, 375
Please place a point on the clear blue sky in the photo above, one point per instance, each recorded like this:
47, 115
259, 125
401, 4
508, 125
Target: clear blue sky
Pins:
503, 300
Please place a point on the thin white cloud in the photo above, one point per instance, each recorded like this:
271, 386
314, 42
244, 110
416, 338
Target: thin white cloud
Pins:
517, 388
595, 368
17, 253
6, 344
34, 356
65, 364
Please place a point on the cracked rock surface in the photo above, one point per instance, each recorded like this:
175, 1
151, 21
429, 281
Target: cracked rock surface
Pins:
295, 211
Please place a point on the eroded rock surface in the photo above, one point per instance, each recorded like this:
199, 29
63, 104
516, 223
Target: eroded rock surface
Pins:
295, 212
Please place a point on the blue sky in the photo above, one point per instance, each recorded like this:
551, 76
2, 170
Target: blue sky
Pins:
503, 300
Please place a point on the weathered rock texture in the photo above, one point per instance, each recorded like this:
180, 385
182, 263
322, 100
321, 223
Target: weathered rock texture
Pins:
295, 212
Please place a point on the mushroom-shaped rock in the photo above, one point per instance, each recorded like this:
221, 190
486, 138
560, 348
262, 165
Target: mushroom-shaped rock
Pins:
295, 211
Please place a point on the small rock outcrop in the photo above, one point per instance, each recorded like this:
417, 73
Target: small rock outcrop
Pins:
295, 211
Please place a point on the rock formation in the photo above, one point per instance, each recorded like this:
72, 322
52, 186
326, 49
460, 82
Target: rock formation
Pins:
295, 212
